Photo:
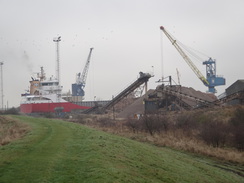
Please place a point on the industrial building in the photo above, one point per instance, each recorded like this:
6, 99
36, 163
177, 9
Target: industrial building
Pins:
235, 93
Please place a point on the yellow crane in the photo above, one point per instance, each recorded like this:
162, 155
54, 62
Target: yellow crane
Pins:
185, 57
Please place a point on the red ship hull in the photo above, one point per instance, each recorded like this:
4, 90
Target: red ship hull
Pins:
49, 107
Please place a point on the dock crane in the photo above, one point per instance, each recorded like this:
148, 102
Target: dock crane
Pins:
212, 79
78, 87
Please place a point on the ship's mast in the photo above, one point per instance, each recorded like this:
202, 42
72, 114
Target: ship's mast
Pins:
57, 40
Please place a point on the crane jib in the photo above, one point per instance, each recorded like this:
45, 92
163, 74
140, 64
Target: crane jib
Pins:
186, 58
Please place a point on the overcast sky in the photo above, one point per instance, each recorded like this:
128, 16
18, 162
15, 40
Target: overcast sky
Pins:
126, 38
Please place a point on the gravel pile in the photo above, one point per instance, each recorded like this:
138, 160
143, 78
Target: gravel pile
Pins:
137, 107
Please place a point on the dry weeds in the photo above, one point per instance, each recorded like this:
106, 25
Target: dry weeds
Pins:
11, 130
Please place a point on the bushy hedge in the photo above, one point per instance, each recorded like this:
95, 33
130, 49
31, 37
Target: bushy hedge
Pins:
202, 125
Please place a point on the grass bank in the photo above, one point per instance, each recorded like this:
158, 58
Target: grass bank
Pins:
215, 132
58, 151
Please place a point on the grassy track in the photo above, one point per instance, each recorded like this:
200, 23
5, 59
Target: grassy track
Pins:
57, 151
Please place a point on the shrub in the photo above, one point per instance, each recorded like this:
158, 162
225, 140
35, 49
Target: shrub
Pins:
155, 123
12, 110
81, 120
49, 115
184, 121
238, 117
133, 124
105, 122
165, 122
188, 122
237, 121
149, 124
214, 133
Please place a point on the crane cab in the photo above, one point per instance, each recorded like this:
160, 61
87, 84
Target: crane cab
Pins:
211, 76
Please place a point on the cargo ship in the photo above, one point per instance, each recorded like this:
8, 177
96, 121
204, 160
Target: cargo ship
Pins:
44, 96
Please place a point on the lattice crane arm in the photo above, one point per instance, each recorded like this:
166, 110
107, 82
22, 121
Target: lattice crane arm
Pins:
185, 57
81, 78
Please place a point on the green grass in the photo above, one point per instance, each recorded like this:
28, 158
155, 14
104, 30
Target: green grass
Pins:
58, 151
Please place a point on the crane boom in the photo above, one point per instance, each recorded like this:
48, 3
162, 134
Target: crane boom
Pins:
185, 57
81, 79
